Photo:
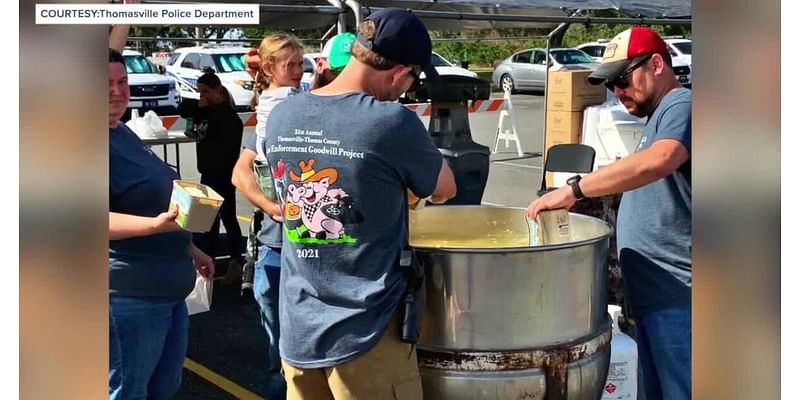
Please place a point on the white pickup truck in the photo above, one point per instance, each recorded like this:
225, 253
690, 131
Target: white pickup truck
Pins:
186, 64
150, 88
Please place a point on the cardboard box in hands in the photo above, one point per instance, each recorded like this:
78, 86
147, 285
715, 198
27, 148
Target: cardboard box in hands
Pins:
197, 205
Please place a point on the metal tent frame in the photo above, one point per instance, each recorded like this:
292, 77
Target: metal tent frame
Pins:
501, 11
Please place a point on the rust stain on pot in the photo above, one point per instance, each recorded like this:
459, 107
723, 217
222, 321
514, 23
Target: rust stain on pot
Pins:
553, 357
556, 375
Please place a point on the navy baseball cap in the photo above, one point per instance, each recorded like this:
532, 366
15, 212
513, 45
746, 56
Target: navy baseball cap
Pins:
402, 38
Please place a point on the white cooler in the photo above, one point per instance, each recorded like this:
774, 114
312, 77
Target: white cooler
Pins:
611, 131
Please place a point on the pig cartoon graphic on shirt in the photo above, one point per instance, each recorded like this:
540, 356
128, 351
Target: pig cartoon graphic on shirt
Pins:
324, 209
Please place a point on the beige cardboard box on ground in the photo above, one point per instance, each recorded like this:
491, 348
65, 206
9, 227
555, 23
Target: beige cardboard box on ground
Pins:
197, 204
562, 127
568, 94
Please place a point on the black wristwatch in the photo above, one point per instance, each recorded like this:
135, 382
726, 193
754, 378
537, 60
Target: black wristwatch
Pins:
574, 183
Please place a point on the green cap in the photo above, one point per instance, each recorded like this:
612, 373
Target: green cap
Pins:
337, 50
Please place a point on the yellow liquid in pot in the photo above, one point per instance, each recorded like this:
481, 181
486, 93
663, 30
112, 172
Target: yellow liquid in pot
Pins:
473, 227
472, 233
468, 240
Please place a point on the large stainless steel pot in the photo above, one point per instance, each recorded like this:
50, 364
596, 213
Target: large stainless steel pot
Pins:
505, 320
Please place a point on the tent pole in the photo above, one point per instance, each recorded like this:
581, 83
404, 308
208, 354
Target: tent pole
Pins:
326, 36
561, 26
544, 111
341, 24
356, 7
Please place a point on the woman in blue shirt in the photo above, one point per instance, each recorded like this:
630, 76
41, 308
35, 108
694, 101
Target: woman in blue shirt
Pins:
152, 261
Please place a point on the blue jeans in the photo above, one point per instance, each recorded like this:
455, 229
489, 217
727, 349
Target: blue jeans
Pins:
147, 347
266, 281
664, 340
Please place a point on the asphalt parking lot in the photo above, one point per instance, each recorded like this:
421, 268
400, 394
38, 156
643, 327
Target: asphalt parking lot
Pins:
226, 345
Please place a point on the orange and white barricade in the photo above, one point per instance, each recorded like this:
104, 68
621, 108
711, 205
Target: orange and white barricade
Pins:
176, 123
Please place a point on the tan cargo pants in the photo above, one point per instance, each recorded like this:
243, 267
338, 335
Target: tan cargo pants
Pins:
386, 372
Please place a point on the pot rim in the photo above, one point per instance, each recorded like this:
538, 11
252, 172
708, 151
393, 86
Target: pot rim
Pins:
525, 249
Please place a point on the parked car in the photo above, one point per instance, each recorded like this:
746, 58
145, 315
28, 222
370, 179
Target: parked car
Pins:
681, 68
680, 48
594, 49
188, 63
444, 67
525, 70
150, 88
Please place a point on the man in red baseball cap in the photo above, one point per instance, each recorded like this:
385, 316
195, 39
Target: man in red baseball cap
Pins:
654, 223
633, 49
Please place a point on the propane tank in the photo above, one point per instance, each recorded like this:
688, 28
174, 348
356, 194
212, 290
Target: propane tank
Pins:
622, 372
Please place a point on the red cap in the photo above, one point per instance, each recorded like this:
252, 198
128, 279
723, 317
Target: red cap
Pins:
623, 49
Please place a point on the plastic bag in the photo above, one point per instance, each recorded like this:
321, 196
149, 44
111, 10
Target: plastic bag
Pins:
199, 300
149, 125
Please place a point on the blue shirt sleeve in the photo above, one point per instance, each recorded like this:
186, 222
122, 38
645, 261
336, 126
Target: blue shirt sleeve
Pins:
418, 161
676, 123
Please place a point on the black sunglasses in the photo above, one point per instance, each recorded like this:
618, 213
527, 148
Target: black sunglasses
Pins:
621, 81
416, 77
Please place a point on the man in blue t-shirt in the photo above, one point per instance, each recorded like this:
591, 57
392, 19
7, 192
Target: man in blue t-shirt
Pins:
654, 225
266, 230
345, 158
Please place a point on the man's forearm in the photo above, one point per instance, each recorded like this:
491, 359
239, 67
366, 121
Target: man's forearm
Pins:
445, 185
118, 37
629, 173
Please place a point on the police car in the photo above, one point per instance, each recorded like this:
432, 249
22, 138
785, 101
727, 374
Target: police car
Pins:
150, 88
681, 68
189, 63
679, 48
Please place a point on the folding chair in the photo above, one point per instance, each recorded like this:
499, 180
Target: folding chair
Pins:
578, 158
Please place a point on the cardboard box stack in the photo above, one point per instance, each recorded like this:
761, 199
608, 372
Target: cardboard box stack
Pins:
568, 94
